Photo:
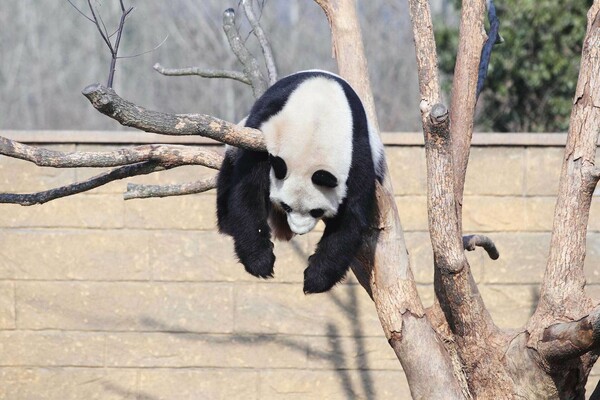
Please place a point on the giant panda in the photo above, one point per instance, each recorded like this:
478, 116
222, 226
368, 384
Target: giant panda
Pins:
322, 161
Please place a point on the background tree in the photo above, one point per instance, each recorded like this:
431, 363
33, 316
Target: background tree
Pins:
35, 48
452, 350
532, 76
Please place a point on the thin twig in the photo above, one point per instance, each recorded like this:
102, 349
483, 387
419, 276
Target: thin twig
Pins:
262, 40
204, 73
147, 51
115, 52
95, 20
81, 12
249, 63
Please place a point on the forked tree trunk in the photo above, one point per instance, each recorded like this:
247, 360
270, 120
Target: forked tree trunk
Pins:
454, 350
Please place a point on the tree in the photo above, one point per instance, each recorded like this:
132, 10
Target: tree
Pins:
532, 77
455, 341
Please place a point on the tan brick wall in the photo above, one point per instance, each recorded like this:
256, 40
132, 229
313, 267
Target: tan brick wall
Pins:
102, 298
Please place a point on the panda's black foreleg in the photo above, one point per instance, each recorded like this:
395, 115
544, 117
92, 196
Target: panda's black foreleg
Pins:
338, 246
247, 210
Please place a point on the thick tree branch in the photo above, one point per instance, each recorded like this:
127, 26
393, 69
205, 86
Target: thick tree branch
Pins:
204, 73
455, 280
427, 63
249, 63
166, 155
138, 160
348, 50
562, 293
464, 90
568, 340
136, 191
262, 40
470, 322
30, 199
400, 309
384, 255
126, 113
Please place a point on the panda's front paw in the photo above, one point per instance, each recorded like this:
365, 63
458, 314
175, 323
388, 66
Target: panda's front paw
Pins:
260, 261
318, 277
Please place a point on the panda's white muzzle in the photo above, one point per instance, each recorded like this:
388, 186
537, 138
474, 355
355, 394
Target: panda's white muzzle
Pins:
301, 224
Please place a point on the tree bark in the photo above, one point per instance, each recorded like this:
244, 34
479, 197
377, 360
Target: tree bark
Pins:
385, 257
453, 350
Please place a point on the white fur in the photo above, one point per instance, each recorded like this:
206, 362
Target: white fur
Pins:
377, 151
377, 148
313, 131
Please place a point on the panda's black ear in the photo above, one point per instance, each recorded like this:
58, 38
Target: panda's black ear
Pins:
279, 166
324, 178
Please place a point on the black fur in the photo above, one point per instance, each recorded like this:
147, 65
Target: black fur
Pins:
324, 178
279, 166
243, 204
343, 234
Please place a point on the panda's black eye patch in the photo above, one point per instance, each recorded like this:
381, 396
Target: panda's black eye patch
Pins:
317, 212
279, 166
324, 178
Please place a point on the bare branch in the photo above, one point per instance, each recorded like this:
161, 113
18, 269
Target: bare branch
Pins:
147, 51
204, 73
454, 276
385, 256
568, 340
249, 63
469, 321
164, 154
562, 293
400, 309
97, 23
464, 90
115, 52
136, 191
471, 242
262, 40
97, 20
348, 50
427, 64
30, 199
138, 160
126, 113
81, 12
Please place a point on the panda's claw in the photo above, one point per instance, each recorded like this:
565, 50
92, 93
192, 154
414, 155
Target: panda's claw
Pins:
318, 277
260, 264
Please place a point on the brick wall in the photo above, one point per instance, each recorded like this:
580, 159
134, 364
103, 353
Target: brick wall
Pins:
102, 298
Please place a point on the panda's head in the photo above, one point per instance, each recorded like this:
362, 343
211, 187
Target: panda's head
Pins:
310, 145
305, 195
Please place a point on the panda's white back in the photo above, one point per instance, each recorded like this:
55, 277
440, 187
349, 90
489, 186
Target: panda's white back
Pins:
313, 131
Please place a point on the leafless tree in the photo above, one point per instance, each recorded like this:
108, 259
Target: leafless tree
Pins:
452, 350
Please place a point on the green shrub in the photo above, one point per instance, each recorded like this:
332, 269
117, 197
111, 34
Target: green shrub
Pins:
532, 75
